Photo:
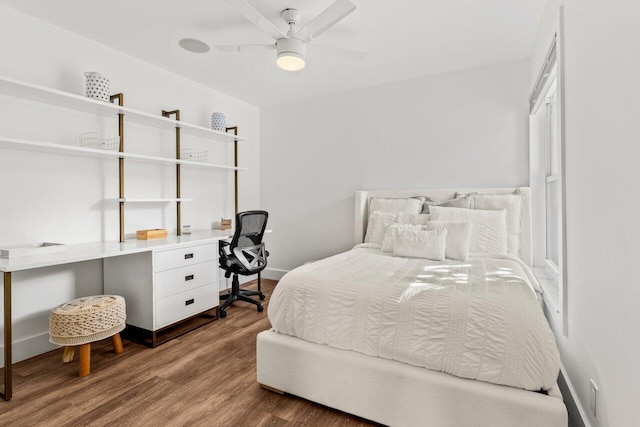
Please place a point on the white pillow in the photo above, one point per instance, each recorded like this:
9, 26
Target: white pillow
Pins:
489, 232
378, 223
456, 202
390, 234
409, 205
415, 219
420, 244
458, 238
512, 203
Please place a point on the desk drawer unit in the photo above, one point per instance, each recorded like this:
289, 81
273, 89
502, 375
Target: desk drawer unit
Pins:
174, 308
164, 287
174, 258
182, 279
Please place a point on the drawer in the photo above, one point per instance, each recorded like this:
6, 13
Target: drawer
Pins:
185, 304
180, 257
182, 279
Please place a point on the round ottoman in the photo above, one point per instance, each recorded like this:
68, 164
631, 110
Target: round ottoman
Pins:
85, 320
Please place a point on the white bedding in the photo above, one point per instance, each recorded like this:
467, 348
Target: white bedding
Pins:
477, 319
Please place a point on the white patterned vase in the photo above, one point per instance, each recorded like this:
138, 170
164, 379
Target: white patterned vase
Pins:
98, 86
219, 122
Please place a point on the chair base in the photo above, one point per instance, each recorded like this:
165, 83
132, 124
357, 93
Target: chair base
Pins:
238, 294
259, 293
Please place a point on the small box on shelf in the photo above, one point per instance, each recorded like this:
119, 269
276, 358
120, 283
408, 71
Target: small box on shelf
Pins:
153, 233
225, 224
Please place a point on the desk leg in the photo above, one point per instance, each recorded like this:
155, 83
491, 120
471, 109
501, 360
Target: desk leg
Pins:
8, 377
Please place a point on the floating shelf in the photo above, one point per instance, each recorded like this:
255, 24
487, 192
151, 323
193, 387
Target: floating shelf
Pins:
25, 90
48, 147
150, 200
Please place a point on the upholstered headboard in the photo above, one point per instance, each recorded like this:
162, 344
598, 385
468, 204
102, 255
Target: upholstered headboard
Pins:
363, 197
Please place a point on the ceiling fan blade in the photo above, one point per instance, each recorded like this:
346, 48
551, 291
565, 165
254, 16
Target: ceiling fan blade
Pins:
327, 19
348, 54
256, 18
243, 47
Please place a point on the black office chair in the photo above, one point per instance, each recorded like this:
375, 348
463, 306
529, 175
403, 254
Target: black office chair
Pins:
244, 255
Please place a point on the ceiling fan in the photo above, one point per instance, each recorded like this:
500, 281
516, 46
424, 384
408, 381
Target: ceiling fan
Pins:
292, 47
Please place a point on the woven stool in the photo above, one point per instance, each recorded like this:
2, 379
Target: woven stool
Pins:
85, 320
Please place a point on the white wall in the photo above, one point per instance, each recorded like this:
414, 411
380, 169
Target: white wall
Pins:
602, 75
58, 198
461, 129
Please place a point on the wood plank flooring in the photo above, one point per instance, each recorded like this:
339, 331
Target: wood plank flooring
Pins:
204, 378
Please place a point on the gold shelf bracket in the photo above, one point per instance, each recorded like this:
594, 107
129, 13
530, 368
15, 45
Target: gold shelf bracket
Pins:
235, 164
119, 97
166, 113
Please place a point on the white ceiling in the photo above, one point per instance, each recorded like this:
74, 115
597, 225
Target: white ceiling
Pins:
404, 39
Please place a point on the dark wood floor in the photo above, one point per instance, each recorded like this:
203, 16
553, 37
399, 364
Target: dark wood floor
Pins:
206, 377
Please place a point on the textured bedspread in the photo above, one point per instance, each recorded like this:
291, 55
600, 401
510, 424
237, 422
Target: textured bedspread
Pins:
477, 319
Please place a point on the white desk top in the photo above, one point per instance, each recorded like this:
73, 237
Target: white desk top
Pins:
98, 250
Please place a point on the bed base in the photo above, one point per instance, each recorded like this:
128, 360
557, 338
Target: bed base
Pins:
395, 393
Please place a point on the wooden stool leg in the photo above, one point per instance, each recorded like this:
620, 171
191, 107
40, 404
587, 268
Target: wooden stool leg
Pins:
85, 360
117, 343
67, 356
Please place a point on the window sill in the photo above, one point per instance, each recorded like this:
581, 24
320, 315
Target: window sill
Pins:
550, 288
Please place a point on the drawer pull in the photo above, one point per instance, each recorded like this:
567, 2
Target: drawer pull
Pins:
189, 301
188, 256
189, 277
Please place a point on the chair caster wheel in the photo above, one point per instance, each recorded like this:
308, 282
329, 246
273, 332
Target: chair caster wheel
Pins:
223, 314
260, 308
262, 297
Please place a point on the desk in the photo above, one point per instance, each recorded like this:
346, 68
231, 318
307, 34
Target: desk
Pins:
79, 253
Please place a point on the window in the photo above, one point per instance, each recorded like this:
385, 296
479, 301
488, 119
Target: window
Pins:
552, 182
546, 181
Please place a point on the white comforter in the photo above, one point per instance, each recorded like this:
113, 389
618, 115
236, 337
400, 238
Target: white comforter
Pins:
478, 319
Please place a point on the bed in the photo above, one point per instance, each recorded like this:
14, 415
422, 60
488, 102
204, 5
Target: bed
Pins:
344, 334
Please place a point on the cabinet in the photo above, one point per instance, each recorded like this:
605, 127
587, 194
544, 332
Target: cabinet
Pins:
168, 292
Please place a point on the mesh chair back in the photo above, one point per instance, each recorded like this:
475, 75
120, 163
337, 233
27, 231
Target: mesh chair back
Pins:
250, 226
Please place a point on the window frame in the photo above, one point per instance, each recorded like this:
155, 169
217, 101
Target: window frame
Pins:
549, 274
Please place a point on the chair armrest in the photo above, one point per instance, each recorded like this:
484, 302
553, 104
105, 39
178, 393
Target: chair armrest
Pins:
223, 248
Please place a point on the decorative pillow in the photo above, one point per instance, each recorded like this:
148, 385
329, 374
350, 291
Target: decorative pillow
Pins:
512, 203
378, 223
458, 202
489, 232
420, 244
458, 238
415, 219
409, 205
390, 234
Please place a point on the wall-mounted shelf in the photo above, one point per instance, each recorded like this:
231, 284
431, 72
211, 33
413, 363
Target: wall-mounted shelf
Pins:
166, 119
48, 147
151, 200
25, 90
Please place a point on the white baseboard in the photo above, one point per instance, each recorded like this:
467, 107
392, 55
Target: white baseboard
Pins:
29, 347
274, 273
577, 415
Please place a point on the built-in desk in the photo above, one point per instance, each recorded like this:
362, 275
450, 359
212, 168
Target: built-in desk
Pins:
89, 252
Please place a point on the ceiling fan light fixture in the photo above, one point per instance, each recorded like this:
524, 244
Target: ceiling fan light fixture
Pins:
290, 61
291, 54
